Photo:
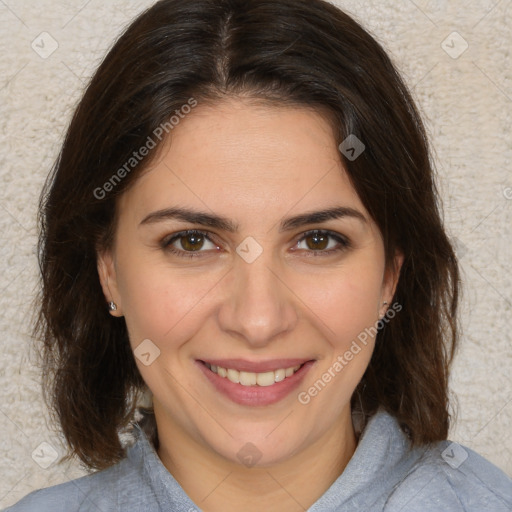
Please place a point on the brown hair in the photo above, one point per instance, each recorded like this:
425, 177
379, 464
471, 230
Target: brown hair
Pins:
299, 52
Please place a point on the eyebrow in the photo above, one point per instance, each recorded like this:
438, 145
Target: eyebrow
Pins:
192, 216
225, 224
322, 216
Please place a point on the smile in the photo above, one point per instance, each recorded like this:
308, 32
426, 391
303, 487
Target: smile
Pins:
255, 384
252, 378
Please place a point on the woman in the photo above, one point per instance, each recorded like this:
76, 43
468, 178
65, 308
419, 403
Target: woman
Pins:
242, 228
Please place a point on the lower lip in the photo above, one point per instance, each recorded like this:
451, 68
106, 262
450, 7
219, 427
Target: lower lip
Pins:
256, 395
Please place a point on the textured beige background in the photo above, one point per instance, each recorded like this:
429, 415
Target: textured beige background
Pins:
467, 103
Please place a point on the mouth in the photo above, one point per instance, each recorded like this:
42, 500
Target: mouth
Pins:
246, 378
250, 383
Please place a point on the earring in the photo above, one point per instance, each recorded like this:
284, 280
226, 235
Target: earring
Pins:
112, 306
381, 316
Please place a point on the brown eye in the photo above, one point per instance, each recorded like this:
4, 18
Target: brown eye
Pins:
321, 242
317, 241
189, 243
192, 241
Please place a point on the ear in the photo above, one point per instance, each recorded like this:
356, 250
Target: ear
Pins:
108, 281
390, 282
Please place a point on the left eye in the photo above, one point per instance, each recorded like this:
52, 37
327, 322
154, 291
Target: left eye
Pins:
320, 241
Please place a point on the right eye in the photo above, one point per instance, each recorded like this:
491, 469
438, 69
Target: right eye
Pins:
189, 243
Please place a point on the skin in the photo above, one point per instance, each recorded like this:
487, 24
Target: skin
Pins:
256, 165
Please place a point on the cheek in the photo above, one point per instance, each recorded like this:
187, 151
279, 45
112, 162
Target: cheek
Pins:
346, 301
159, 303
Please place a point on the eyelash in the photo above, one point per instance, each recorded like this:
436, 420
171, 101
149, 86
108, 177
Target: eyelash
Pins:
166, 243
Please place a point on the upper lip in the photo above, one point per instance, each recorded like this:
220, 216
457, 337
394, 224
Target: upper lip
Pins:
254, 366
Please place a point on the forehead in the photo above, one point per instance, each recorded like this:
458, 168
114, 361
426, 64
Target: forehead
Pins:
237, 157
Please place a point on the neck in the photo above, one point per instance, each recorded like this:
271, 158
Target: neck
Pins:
216, 484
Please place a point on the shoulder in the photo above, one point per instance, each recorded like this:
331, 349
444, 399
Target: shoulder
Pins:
138, 483
90, 492
72, 495
116, 488
450, 477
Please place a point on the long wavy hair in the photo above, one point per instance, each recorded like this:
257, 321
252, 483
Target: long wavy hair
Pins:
306, 53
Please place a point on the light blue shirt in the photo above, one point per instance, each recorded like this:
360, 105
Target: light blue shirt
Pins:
382, 475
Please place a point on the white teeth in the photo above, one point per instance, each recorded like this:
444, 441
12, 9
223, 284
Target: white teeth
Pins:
247, 378
280, 375
234, 376
265, 379
251, 378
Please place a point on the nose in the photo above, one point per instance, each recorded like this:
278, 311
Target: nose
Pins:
258, 306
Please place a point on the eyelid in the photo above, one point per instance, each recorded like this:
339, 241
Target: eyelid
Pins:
166, 242
341, 239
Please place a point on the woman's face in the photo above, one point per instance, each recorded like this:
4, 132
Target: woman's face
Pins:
245, 248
